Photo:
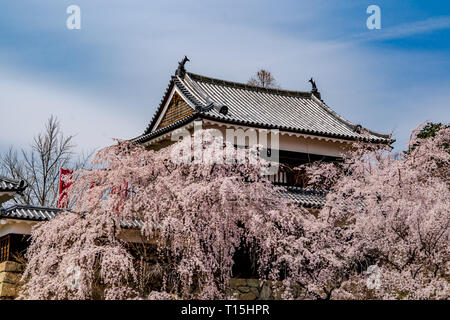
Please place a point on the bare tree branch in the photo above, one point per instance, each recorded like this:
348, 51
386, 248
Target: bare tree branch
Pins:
40, 166
263, 78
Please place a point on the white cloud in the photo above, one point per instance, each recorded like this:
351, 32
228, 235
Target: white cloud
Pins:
141, 45
27, 101
404, 30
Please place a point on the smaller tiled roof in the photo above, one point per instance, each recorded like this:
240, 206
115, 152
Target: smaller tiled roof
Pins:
28, 212
8, 185
132, 224
37, 213
303, 197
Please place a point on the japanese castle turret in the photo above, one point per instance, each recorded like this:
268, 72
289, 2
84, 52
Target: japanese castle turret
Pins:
305, 127
298, 127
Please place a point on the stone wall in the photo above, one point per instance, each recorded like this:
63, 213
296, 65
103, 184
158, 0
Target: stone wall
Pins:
254, 289
10, 274
241, 289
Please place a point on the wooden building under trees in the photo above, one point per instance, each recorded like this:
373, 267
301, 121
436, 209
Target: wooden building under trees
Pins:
16, 221
308, 130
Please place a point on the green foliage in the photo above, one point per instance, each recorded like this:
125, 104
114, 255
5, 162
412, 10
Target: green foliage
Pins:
430, 130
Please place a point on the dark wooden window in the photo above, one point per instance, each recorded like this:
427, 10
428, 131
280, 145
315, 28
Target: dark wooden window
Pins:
288, 176
289, 160
5, 243
13, 246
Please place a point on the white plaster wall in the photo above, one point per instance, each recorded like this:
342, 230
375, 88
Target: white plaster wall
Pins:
8, 226
298, 143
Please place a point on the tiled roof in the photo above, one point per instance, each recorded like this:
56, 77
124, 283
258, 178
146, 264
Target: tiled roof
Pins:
305, 198
36, 213
7, 184
238, 103
28, 212
132, 224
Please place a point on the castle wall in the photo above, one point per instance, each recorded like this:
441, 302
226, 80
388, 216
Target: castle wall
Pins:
10, 275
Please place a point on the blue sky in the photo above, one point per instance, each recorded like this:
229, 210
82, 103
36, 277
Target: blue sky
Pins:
107, 79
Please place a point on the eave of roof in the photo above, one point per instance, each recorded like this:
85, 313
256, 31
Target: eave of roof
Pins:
29, 212
283, 128
11, 185
38, 214
177, 124
306, 198
199, 115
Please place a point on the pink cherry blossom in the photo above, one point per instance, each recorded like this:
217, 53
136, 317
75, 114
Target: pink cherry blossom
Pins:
193, 217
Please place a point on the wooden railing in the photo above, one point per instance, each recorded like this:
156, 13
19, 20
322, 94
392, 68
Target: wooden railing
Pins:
289, 178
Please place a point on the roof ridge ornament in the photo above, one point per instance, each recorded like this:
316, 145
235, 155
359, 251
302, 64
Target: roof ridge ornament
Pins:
314, 90
181, 71
358, 128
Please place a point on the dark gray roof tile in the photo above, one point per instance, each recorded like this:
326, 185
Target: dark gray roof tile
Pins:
37, 213
303, 197
7, 184
261, 107
28, 212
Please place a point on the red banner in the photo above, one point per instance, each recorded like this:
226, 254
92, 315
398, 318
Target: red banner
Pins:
65, 180
122, 191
